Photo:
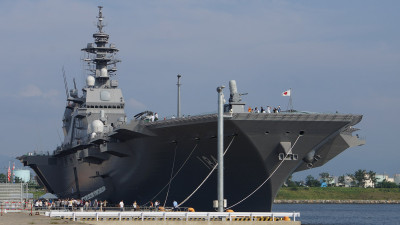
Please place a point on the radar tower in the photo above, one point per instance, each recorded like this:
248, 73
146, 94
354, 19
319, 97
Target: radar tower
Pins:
101, 58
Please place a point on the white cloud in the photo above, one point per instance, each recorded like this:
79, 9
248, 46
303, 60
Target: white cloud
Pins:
34, 91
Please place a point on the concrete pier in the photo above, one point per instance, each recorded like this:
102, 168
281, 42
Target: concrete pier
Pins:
196, 222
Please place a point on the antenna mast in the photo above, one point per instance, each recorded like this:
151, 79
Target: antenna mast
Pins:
290, 104
179, 96
65, 82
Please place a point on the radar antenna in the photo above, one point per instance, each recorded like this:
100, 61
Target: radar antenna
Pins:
100, 24
65, 82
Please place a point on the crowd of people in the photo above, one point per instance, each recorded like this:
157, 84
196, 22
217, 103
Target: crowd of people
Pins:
95, 205
268, 109
70, 204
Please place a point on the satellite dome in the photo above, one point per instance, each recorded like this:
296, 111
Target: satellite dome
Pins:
97, 126
90, 81
103, 72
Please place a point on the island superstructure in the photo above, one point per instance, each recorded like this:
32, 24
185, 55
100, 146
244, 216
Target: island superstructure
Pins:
107, 156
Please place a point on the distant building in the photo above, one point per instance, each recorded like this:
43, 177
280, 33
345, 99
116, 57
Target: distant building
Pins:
24, 175
368, 182
397, 179
348, 181
380, 178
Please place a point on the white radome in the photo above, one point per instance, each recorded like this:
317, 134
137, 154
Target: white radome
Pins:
90, 81
97, 126
103, 72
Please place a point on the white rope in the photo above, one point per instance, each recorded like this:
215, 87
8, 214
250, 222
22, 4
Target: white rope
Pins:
170, 179
205, 179
174, 175
269, 177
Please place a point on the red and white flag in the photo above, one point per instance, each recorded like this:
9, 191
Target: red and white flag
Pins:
286, 93
13, 173
9, 174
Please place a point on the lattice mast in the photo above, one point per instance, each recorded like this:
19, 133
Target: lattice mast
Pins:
101, 58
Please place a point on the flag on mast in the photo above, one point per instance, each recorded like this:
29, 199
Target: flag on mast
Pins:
9, 174
286, 93
13, 173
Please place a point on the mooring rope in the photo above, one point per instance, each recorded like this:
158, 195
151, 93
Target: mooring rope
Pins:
205, 179
174, 175
269, 177
170, 179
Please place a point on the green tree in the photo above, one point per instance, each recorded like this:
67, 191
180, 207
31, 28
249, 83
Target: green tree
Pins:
372, 177
353, 179
359, 175
312, 182
18, 180
324, 176
3, 178
386, 184
341, 179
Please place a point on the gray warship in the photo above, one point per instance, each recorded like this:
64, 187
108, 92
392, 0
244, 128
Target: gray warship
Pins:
107, 156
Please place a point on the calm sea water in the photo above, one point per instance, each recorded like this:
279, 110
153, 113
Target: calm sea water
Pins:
349, 214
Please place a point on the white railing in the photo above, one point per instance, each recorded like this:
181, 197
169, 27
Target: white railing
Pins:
173, 215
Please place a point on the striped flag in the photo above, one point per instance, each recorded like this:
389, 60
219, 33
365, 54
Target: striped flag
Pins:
9, 174
13, 173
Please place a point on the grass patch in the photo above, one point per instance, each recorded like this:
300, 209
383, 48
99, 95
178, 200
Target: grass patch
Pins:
338, 193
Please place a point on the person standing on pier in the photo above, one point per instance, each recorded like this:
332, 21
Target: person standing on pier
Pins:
134, 206
121, 205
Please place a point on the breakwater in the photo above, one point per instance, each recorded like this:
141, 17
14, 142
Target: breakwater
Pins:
324, 201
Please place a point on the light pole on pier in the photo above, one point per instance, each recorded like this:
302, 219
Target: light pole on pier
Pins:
179, 96
220, 149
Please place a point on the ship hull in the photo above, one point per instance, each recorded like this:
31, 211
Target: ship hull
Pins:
171, 158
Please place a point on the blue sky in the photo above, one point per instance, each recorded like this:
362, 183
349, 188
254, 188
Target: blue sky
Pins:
335, 55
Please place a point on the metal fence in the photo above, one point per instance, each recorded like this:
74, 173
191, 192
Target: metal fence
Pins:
8, 207
183, 216
13, 192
